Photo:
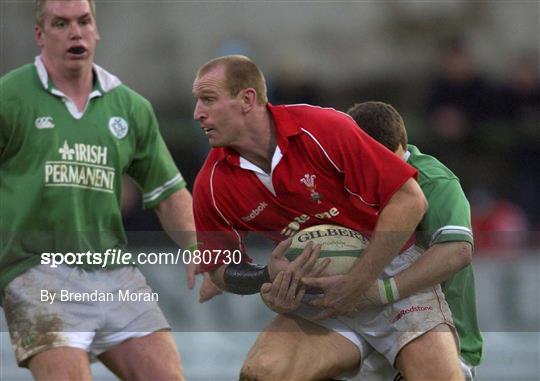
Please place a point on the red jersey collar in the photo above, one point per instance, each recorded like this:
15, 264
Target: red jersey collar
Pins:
285, 126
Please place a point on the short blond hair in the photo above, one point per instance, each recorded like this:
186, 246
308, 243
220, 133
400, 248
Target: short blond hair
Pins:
240, 73
39, 5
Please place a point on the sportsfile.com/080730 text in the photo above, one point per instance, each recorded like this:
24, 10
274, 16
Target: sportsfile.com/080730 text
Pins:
115, 257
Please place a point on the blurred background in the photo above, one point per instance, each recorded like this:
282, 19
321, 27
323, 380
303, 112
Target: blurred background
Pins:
464, 75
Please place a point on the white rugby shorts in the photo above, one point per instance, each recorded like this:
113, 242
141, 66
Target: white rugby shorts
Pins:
389, 328
36, 325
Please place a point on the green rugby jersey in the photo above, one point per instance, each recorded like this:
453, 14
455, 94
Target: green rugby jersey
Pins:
61, 170
448, 220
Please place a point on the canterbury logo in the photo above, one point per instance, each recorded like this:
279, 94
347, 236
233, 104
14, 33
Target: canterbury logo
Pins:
44, 122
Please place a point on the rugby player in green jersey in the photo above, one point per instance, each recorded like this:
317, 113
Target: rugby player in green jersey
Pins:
444, 234
69, 131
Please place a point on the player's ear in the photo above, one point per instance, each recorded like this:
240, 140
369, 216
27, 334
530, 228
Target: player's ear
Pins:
38, 33
98, 37
248, 98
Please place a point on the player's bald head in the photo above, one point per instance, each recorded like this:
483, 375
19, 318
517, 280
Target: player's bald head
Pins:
240, 73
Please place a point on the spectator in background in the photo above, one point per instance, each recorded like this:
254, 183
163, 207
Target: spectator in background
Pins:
459, 97
293, 86
519, 101
519, 105
460, 100
499, 225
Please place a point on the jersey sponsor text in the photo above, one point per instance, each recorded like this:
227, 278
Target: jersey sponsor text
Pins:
82, 166
59, 173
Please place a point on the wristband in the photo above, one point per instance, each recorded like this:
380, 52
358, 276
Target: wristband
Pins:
245, 278
388, 290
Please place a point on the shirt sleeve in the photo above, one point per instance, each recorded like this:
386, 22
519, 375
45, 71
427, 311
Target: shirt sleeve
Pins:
215, 234
153, 168
448, 218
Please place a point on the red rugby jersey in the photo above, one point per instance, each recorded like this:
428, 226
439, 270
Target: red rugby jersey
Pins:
325, 170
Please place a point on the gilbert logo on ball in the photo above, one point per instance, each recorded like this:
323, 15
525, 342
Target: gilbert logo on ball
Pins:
341, 244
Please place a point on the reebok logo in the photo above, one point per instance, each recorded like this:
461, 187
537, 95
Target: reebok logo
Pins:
255, 212
44, 122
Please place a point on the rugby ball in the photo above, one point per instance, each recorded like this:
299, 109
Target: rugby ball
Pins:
341, 244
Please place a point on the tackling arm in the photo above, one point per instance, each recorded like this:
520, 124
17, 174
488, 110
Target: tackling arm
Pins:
434, 266
447, 225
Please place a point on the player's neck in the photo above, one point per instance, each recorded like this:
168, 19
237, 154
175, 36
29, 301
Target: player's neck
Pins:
400, 152
77, 85
260, 143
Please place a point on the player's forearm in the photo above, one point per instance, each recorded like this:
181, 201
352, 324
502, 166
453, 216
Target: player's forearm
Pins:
434, 266
176, 217
396, 223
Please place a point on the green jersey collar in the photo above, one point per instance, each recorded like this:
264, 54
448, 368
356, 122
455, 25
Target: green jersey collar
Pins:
407, 155
411, 150
105, 81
